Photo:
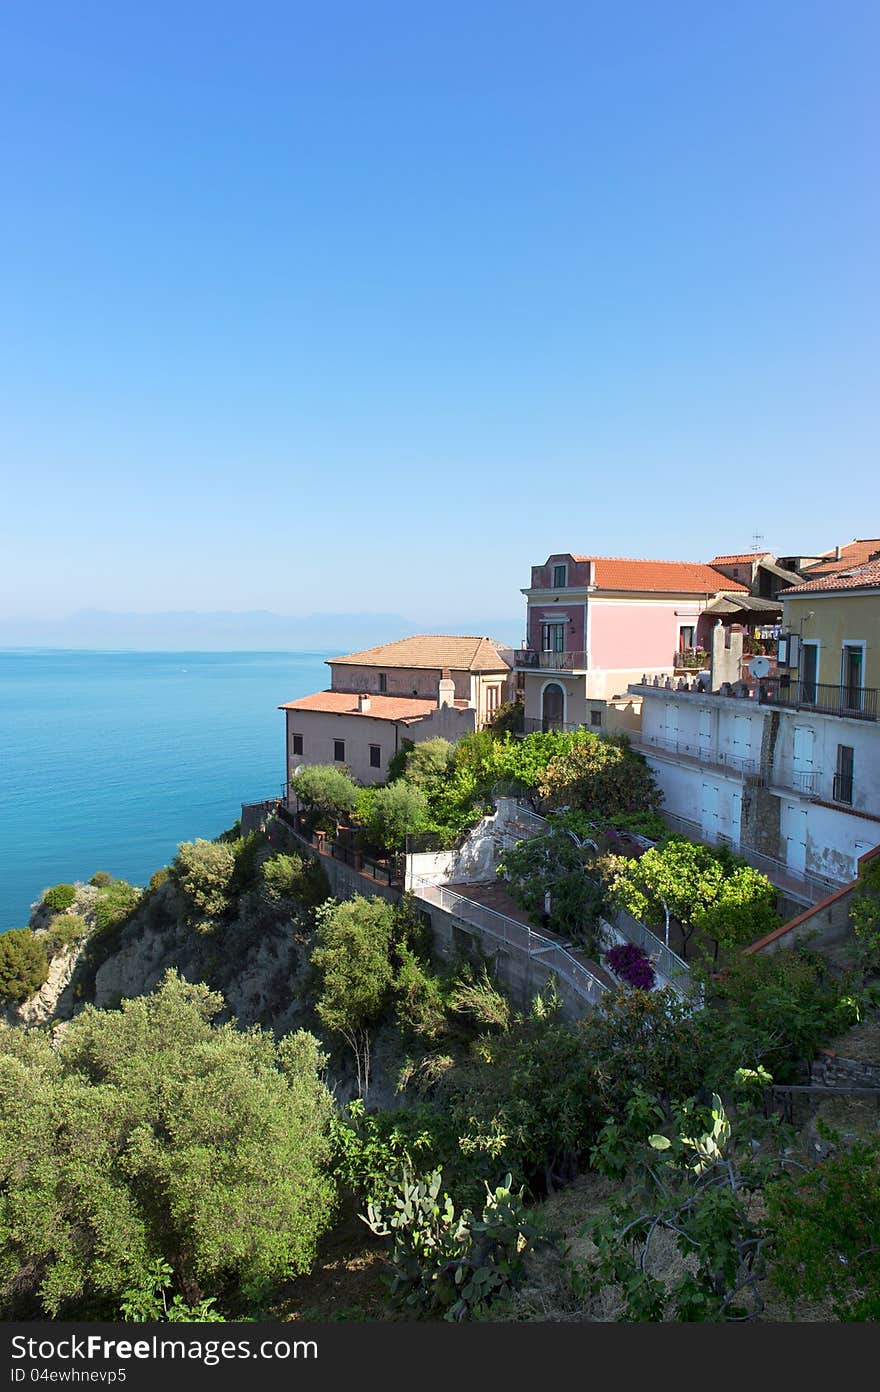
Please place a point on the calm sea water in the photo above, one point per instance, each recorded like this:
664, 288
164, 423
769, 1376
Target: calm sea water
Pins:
108, 760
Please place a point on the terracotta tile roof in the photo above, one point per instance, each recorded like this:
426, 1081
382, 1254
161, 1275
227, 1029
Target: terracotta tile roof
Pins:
381, 707
852, 578
658, 577
854, 554
744, 556
434, 651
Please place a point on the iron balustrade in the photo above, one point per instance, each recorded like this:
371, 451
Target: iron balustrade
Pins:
825, 698
721, 758
513, 934
804, 884
573, 661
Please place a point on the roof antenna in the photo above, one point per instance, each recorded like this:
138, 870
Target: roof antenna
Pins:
757, 541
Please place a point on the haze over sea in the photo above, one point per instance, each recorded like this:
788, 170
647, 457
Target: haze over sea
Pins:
108, 760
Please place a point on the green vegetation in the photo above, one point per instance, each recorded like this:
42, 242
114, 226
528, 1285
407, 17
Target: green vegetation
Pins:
203, 871
706, 889
59, 897
326, 794
24, 965
353, 959
395, 812
101, 879
553, 865
65, 930
148, 1135
288, 880
865, 915
115, 904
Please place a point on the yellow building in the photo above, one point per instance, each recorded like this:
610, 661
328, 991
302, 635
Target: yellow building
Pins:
832, 646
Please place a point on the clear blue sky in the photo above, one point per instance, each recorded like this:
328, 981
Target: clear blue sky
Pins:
349, 306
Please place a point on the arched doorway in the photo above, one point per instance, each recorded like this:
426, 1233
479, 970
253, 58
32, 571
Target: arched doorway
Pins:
552, 706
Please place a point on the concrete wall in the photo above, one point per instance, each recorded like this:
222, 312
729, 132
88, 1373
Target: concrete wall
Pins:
520, 976
557, 609
401, 681
837, 619
447, 722
822, 926
820, 736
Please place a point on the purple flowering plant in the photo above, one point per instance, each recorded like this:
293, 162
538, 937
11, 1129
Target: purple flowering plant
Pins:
632, 965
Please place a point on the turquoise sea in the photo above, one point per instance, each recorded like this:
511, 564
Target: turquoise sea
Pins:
109, 759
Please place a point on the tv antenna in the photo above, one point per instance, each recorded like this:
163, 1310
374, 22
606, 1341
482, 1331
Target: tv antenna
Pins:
757, 541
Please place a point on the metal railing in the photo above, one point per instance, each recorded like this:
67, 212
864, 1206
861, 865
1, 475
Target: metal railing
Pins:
803, 884
856, 703
537, 725
515, 935
690, 659
667, 963
804, 781
575, 660
387, 871
719, 758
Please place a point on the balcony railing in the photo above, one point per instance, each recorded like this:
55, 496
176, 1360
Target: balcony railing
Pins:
575, 661
716, 758
533, 725
690, 659
857, 703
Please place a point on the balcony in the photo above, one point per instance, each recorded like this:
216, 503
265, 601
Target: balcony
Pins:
853, 703
704, 755
550, 661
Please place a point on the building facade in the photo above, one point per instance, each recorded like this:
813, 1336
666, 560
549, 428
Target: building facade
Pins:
595, 623
415, 689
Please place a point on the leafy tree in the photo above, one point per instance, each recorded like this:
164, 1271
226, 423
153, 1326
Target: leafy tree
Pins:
101, 879
203, 871
865, 915
398, 810
824, 1226
554, 865
508, 718
353, 958
59, 897
326, 793
702, 888
24, 965
601, 773
429, 762
288, 880
150, 1136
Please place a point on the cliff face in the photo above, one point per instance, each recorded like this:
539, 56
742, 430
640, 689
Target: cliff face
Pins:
261, 969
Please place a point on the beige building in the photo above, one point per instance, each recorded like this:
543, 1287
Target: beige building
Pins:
414, 689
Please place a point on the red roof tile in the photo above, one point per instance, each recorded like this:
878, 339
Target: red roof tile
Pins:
433, 651
854, 554
744, 556
853, 578
381, 707
658, 577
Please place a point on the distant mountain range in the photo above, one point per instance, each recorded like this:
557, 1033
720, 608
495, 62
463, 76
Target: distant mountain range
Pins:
229, 631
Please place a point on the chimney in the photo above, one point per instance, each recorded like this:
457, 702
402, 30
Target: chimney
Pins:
363, 703
837, 553
446, 689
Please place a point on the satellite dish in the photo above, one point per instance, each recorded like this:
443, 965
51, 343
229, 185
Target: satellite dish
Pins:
759, 666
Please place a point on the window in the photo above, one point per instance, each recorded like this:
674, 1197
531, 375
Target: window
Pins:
339, 751
375, 756
493, 699
553, 637
383, 683
560, 577
809, 672
852, 676
595, 717
685, 638
297, 744
843, 778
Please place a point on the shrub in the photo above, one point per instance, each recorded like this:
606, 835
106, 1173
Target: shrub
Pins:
203, 870
290, 880
158, 879
101, 879
150, 1135
326, 793
64, 931
60, 897
865, 914
429, 762
632, 965
554, 864
114, 904
352, 955
397, 811
508, 717
24, 965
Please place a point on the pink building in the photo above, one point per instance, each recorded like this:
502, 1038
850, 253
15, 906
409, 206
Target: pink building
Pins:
594, 624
